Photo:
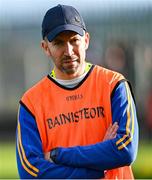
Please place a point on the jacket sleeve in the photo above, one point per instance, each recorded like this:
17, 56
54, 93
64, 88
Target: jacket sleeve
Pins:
30, 157
109, 154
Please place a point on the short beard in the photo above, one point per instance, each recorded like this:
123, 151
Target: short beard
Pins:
69, 70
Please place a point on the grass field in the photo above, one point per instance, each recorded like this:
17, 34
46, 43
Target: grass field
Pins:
8, 167
142, 167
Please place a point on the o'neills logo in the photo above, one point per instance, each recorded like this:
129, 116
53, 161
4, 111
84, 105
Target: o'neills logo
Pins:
75, 117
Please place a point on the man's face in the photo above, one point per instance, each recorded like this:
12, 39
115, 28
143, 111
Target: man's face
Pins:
68, 52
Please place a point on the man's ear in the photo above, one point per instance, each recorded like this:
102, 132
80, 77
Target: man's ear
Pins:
87, 40
44, 46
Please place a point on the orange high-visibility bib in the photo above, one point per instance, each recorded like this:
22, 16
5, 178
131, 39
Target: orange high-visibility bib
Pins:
78, 116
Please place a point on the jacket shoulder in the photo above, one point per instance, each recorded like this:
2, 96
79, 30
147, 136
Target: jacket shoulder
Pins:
108, 78
107, 73
36, 90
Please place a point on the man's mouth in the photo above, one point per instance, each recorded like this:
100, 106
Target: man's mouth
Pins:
70, 61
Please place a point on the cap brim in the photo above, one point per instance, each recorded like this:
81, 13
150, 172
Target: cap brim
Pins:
67, 27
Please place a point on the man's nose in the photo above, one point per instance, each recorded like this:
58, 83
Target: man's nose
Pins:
68, 49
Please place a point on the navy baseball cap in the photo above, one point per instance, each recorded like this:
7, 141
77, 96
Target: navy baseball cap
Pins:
62, 18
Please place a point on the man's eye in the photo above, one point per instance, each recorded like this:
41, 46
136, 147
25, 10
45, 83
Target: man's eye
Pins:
76, 40
57, 42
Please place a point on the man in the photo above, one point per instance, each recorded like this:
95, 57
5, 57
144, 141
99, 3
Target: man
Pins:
80, 120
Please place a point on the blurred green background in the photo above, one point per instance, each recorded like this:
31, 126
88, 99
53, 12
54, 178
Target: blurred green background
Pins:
121, 40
